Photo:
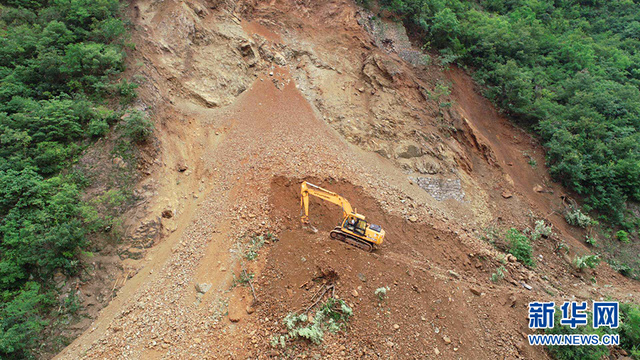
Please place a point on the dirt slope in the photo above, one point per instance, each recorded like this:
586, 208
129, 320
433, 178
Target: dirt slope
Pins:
253, 98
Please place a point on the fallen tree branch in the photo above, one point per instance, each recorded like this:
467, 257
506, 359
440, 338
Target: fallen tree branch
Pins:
253, 291
326, 289
114, 287
126, 277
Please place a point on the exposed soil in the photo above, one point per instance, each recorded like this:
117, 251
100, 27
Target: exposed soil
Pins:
422, 310
252, 98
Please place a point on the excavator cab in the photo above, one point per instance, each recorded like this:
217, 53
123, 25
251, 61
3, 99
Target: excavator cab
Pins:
356, 224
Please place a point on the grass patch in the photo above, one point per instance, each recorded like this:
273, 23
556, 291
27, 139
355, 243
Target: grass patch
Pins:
520, 247
499, 274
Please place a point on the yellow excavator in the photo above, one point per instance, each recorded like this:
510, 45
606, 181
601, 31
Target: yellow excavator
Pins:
353, 229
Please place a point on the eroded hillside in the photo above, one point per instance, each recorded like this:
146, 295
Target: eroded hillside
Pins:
251, 98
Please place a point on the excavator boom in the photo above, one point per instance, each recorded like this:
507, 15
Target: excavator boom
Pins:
310, 189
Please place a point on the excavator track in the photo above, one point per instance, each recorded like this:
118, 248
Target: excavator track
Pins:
340, 235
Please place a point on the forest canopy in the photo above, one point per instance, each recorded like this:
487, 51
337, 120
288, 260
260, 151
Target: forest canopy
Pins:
58, 61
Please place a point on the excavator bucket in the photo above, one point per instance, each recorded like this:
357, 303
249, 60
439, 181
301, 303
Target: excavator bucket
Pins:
310, 228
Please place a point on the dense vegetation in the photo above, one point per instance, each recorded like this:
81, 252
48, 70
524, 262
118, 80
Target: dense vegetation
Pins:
58, 61
568, 68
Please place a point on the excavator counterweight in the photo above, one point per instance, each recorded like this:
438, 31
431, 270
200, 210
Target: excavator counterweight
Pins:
353, 229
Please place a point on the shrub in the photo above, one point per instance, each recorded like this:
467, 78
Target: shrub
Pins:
575, 217
137, 126
447, 59
244, 278
519, 247
498, 275
279, 340
568, 352
441, 89
127, 91
590, 261
331, 316
98, 127
622, 268
257, 242
562, 247
630, 328
22, 319
382, 292
623, 236
541, 230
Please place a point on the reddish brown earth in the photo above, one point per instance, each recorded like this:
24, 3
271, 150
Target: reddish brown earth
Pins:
425, 303
251, 99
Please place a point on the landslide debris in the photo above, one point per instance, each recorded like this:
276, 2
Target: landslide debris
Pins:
257, 96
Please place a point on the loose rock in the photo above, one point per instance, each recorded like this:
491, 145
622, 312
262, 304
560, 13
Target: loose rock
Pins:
202, 288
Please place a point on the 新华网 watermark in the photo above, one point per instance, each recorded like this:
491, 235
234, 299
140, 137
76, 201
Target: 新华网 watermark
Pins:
574, 314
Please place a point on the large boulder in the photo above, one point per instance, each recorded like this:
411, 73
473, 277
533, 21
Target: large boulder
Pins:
408, 150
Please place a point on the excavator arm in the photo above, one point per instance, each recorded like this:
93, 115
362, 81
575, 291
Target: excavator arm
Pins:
310, 189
